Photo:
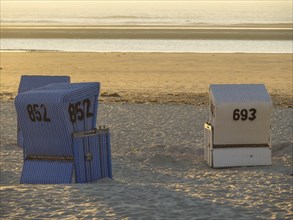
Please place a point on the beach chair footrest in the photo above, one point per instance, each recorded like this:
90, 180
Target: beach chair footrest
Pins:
46, 172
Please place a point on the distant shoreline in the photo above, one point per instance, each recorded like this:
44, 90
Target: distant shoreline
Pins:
185, 32
241, 25
138, 52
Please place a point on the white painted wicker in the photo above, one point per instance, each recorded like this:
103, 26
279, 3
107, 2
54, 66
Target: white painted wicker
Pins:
239, 118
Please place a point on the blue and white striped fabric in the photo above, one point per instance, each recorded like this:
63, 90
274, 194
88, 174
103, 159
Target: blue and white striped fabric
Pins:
49, 115
28, 82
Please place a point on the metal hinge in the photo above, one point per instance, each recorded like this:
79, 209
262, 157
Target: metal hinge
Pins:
88, 156
92, 132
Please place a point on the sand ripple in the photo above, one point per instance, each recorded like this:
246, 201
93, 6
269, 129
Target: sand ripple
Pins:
158, 170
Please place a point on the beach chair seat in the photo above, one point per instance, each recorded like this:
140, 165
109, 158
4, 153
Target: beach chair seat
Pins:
29, 82
239, 127
49, 117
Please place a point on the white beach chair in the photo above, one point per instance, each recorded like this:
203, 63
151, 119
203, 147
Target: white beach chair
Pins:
238, 130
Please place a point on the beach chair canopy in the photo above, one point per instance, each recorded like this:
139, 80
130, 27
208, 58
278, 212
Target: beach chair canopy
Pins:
48, 117
29, 82
240, 113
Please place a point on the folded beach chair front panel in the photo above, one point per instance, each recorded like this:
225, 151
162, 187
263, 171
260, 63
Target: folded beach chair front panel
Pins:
238, 131
29, 82
93, 155
51, 114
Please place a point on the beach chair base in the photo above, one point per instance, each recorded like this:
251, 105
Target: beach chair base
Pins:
220, 156
46, 172
242, 156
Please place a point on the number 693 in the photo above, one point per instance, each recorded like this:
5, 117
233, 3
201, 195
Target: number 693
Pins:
244, 114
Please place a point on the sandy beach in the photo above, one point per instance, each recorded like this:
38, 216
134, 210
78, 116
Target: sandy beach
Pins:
155, 105
155, 61
181, 78
158, 172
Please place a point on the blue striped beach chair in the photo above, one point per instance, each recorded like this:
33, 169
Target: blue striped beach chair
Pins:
28, 82
58, 123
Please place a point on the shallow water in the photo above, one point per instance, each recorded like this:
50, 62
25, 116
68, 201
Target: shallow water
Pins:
104, 45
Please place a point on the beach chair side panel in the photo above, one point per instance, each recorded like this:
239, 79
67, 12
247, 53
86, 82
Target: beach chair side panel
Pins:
29, 82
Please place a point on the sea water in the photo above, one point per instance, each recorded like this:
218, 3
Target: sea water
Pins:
146, 13
104, 45
121, 12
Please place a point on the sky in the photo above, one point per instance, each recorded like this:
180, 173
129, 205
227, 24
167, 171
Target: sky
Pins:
193, 11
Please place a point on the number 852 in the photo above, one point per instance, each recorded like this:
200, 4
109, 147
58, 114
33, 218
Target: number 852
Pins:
244, 114
79, 110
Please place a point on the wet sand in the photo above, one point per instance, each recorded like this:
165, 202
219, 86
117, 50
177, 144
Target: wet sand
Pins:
181, 78
224, 32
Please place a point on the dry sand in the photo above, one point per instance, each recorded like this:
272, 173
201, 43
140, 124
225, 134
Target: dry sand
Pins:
158, 171
154, 77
